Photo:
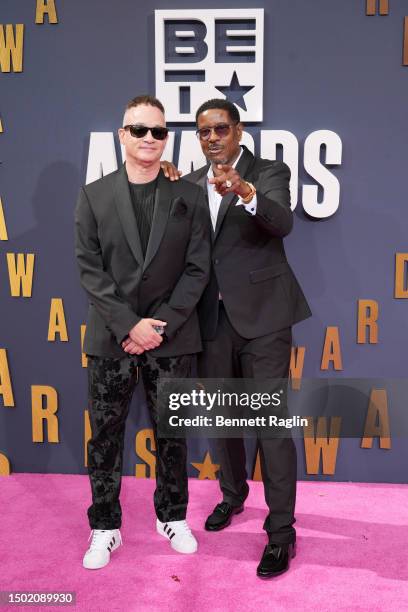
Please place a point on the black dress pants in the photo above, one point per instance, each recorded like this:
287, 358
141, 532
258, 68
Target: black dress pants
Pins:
231, 356
111, 383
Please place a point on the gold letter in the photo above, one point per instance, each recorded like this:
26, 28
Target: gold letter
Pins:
40, 414
257, 475
143, 452
3, 228
19, 274
371, 7
321, 446
11, 48
5, 381
297, 360
84, 358
331, 350
367, 317
46, 7
377, 412
4, 466
57, 324
401, 290
87, 435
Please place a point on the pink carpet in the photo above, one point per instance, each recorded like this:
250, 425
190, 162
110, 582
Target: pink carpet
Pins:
352, 549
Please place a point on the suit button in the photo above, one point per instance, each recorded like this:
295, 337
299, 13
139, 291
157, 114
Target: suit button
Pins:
145, 277
216, 261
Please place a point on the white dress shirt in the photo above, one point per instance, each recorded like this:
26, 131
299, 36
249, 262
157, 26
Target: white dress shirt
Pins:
214, 198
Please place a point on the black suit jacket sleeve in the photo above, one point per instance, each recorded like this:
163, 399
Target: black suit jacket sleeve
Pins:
273, 211
191, 284
101, 288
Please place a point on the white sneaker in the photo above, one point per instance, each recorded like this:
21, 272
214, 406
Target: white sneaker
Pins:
104, 541
179, 534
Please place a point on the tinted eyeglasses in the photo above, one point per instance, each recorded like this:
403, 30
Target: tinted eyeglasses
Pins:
139, 131
222, 130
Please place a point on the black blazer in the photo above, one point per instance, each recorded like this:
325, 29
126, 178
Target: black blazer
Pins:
249, 266
121, 285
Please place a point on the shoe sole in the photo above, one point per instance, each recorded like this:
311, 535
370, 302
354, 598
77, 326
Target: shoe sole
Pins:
95, 568
105, 564
225, 524
183, 552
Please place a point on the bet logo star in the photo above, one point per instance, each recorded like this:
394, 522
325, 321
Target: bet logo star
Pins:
235, 92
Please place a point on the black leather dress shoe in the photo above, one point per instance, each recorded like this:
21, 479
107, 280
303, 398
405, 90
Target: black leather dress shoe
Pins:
275, 560
221, 516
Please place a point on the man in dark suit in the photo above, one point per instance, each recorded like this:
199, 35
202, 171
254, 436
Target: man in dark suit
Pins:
143, 249
247, 311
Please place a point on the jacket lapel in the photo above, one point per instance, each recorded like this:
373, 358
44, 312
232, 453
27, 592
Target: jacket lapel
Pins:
126, 214
202, 182
225, 202
160, 216
242, 167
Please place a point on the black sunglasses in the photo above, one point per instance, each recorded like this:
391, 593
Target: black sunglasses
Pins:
139, 131
222, 130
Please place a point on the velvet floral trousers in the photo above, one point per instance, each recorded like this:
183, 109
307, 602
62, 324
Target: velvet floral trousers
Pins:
111, 383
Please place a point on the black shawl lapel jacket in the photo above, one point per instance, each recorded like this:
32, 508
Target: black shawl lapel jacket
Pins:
124, 287
249, 266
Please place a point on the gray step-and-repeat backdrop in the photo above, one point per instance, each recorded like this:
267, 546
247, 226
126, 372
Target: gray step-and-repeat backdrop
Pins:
321, 85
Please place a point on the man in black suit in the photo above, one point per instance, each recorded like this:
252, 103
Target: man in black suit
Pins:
247, 311
143, 249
